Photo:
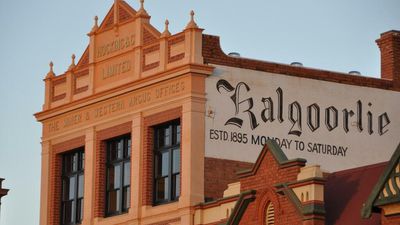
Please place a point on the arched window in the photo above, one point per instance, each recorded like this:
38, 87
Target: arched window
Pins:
270, 214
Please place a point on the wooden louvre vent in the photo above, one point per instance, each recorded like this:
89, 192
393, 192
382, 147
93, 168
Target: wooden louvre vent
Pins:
270, 214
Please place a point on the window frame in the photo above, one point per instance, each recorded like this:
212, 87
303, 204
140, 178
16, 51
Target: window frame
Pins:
126, 158
65, 177
175, 140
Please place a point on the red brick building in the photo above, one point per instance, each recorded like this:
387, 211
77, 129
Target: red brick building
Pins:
149, 127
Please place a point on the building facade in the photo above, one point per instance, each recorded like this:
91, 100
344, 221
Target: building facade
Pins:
150, 127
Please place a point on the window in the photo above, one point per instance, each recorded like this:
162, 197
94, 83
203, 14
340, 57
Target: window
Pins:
118, 175
270, 214
167, 162
72, 187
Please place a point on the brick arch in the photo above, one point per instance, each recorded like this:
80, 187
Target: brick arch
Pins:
268, 196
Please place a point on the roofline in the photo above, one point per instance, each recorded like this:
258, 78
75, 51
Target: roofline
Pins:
213, 54
245, 198
357, 169
366, 210
303, 209
279, 155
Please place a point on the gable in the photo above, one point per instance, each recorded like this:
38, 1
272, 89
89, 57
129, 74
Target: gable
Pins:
390, 192
277, 153
387, 190
124, 13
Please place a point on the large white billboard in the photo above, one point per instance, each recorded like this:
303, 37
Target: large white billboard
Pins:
335, 125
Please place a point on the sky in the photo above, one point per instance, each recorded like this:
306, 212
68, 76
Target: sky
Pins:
332, 35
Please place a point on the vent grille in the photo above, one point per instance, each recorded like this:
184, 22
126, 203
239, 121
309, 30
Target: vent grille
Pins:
270, 214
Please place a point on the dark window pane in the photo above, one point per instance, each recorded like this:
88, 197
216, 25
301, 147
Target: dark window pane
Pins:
79, 210
65, 189
162, 164
113, 154
127, 173
128, 153
80, 186
72, 187
114, 177
75, 162
120, 148
110, 178
73, 211
162, 189
126, 198
82, 161
167, 137
119, 198
160, 138
178, 134
176, 160
67, 163
67, 212
113, 201
176, 189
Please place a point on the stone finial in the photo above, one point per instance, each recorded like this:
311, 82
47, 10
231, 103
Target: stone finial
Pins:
191, 23
142, 11
72, 62
96, 25
50, 74
166, 32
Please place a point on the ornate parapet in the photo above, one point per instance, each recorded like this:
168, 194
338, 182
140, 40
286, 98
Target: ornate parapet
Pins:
124, 48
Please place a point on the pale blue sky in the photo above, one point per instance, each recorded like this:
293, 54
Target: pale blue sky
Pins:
334, 35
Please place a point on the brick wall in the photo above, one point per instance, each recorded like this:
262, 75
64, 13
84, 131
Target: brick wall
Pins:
148, 37
147, 179
268, 174
389, 45
100, 167
218, 173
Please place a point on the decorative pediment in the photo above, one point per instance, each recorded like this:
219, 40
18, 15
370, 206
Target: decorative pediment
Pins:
125, 12
108, 20
150, 34
119, 13
387, 191
84, 60
123, 49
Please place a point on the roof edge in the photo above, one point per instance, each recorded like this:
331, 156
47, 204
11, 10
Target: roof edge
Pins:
213, 54
278, 154
366, 210
245, 198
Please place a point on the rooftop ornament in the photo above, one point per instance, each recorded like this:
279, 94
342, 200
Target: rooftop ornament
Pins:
166, 32
95, 26
72, 62
191, 24
50, 74
142, 11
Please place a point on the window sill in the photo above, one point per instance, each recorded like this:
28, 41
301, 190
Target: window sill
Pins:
150, 210
165, 203
114, 219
